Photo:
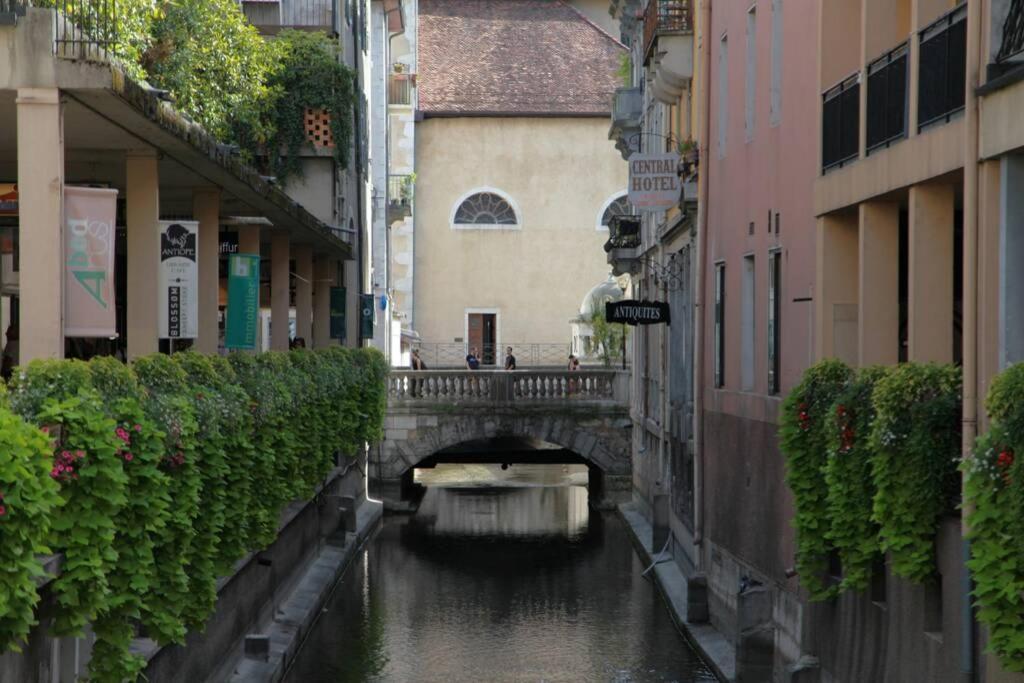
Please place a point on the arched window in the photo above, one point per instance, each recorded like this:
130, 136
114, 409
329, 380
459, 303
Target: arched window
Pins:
618, 206
485, 209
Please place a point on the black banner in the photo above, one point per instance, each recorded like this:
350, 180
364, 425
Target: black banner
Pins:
637, 312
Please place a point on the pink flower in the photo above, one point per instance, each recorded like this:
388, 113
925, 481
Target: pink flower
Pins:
128, 457
45, 430
138, 428
54, 473
3, 510
79, 454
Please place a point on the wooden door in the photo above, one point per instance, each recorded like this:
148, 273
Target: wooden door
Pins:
483, 336
476, 333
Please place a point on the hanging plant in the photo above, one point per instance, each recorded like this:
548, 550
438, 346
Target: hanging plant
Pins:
994, 487
804, 440
28, 499
850, 488
916, 441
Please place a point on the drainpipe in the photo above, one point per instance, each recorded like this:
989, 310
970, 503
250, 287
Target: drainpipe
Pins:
702, 248
970, 314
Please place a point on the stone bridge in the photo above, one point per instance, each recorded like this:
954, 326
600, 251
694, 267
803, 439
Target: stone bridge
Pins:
551, 416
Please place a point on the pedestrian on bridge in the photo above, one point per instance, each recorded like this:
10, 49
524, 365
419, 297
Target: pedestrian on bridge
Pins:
510, 360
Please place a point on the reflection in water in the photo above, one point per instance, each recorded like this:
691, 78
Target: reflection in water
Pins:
497, 582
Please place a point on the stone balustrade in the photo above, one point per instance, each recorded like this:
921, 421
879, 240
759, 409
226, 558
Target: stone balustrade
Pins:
499, 386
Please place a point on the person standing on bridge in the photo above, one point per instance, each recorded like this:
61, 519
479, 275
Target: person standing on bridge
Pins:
510, 360
473, 359
416, 363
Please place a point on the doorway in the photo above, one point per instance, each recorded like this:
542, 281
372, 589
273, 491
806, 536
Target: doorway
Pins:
482, 333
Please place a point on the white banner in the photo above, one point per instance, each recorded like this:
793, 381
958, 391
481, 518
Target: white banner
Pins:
89, 215
654, 181
179, 280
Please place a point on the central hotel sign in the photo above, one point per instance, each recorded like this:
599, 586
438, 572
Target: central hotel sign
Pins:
654, 181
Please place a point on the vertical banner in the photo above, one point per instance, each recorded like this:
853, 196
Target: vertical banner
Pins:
89, 217
179, 280
243, 301
366, 316
337, 313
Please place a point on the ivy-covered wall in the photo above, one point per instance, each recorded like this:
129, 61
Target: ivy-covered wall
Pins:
151, 480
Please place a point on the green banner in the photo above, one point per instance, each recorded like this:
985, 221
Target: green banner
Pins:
366, 316
243, 301
338, 313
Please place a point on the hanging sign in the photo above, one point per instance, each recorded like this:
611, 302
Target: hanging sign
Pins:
89, 217
243, 301
637, 312
179, 280
366, 316
337, 312
654, 181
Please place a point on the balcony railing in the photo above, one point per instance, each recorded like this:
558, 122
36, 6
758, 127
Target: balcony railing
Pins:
840, 126
400, 195
272, 15
498, 386
887, 98
666, 16
1012, 43
86, 29
400, 88
943, 68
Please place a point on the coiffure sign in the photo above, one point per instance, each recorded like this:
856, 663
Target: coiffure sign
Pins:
654, 181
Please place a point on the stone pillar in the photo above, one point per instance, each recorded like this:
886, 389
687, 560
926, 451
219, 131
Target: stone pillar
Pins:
879, 310
280, 291
206, 210
304, 293
322, 282
835, 298
930, 273
143, 216
40, 124
249, 239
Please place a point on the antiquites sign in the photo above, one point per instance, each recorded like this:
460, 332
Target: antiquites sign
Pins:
637, 312
179, 280
654, 181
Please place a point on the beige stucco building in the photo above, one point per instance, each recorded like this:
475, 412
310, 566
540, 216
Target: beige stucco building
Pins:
514, 175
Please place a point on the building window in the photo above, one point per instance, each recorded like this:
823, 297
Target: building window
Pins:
774, 320
619, 206
723, 94
751, 82
485, 209
775, 115
719, 324
747, 324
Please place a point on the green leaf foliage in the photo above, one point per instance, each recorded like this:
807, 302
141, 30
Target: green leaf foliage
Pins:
154, 479
28, 498
916, 443
994, 495
850, 489
804, 438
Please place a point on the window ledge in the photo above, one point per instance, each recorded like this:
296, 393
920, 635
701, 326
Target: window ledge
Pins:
1001, 76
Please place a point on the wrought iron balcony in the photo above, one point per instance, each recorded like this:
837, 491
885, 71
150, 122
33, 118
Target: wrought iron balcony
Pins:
887, 98
400, 195
943, 68
1011, 47
623, 244
270, 16
840, 125
627, 110
666, 16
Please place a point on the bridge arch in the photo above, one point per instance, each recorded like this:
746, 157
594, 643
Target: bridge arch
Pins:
588, 418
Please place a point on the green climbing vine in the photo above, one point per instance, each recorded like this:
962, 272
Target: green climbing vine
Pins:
994, 489
916, 443
850, 488
804, 441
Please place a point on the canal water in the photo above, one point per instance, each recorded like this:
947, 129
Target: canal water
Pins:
502, 575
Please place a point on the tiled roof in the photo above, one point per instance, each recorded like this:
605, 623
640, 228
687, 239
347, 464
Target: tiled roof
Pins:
515, 57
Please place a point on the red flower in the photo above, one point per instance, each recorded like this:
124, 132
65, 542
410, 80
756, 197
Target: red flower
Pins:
1005, 459
3, 510
128, 457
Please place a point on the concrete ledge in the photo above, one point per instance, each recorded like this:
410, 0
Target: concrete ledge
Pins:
300, 609
713, 647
